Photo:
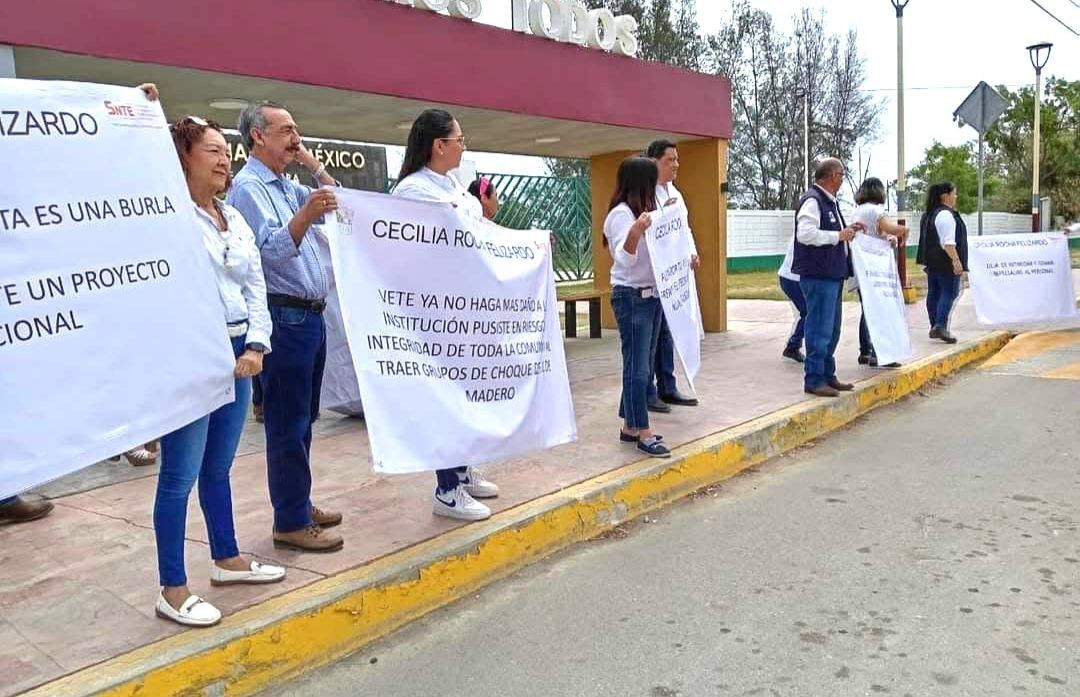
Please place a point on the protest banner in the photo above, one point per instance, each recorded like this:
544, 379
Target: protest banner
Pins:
340, 391
1023, 278
454, 332
882, 298
669, 251
112, 331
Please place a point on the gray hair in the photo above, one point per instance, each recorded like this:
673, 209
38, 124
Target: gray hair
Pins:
826, 167
254, 116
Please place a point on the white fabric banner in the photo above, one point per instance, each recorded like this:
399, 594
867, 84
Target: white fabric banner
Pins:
669, 251
1021, 278
882, 298
112, 332
340, 390
454, 331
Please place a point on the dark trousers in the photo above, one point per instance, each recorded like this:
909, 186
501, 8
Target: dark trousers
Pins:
291, 380
4, 502
256, 393
824, 314
866, 347
795, 295
942, 290
448, 479
639, 328
662, 380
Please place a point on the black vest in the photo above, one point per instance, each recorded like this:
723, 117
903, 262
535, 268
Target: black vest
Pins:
825, 261
931, 254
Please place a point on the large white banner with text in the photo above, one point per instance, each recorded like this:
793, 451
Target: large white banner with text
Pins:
112, 332
1021, 278
669, 250
882, 298
454, 332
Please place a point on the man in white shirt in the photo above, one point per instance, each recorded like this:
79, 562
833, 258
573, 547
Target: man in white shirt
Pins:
821, 260
663, 389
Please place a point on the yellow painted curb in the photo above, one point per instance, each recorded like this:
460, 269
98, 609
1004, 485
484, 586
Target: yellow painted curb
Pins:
314, 625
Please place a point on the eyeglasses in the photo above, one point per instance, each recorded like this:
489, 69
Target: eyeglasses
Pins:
197, 120
459, 139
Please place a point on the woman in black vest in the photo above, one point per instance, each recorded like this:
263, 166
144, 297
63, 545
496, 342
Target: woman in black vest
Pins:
943, 253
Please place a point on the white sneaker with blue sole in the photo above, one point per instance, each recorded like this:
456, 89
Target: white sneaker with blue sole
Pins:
457, 503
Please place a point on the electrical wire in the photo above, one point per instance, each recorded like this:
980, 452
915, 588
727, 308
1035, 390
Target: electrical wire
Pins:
1036, 3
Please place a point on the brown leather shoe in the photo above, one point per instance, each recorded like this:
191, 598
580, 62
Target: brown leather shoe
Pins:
822, 391
22, 511
841, 386
309, 539
325, 519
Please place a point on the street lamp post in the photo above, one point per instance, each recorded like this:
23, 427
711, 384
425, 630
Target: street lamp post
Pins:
1038, 61
901, 175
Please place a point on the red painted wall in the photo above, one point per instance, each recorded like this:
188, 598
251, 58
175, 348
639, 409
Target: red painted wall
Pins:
380, 47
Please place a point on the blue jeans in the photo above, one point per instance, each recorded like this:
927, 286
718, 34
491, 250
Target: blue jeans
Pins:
942, 289
639, 329
795, 295
866, 346
662, 380
203, 450
824, 313
291, 381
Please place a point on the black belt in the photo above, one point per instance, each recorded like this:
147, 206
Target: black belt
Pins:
315, 306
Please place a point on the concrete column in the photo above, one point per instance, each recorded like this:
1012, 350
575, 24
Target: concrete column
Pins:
7, 61
702, 171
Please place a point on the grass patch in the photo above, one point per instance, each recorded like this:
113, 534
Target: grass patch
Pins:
1075, 254
754, 285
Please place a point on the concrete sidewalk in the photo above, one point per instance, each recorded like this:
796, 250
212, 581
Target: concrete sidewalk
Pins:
78, 588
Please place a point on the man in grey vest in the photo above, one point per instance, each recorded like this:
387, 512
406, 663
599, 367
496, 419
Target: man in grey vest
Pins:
822, 262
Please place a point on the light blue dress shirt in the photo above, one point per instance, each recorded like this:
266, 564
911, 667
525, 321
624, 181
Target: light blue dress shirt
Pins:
268, 202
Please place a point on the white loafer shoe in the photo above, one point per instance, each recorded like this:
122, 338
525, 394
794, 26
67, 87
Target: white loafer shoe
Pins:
258, 573
195, 612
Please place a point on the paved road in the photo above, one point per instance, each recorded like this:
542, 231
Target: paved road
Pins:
931, 549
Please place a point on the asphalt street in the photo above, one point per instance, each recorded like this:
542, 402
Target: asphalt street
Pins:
929, 549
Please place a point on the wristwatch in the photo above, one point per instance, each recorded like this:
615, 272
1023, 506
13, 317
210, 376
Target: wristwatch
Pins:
257, 347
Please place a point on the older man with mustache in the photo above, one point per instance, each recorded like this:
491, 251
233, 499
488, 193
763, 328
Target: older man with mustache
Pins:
281, 213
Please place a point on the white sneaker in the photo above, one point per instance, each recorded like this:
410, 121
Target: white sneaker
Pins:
473, 481
459, 504
194, 612
258, 573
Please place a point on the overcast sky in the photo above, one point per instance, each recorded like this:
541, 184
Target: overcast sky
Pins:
949, 46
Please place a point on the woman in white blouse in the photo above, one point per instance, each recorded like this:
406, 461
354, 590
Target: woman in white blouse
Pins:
435, 147
633, 297
204, 449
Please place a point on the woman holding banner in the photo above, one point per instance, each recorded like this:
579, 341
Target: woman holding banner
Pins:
204, 449
870, 199
435, 147
634, 298
943, 253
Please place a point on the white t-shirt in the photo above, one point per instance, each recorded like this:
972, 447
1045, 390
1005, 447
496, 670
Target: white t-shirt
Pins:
789, 258
946, 227
634, 270
869, 214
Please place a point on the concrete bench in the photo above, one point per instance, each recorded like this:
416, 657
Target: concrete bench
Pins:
593, 297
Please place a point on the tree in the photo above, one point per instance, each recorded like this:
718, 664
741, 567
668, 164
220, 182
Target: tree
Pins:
957, 164
1010, 141
767, 68
668, 32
